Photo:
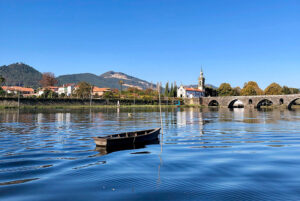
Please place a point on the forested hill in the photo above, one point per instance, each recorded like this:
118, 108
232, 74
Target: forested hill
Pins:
109, 79
21, 75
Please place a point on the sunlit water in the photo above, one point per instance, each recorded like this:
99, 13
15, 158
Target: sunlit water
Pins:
204, 155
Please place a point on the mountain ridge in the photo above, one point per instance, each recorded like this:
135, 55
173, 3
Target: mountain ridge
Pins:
21, 74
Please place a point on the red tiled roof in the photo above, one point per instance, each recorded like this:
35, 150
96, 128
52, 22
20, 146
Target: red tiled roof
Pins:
51, 87
97, 89
69, 84
17, 88
192, 89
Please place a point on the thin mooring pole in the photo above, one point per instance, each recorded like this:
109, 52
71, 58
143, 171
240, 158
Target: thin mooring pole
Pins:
161, 123
91, 96
18, 99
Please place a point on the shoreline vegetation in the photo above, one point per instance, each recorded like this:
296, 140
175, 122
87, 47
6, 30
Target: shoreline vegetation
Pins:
65, 106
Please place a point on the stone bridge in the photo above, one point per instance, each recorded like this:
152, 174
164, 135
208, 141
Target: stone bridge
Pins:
249, 101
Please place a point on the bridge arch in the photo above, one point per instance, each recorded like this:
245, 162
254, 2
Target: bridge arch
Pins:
236, 103
264, 102
213, 103
281, 101
292, 103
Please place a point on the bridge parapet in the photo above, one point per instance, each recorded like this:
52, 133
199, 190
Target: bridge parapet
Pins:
250, 101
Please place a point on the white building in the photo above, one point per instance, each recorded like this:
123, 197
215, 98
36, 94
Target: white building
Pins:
185, 92
66, 89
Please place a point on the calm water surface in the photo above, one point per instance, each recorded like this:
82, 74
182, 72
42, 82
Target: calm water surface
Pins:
204, 155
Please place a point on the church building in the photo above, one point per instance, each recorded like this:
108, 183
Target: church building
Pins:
185, 92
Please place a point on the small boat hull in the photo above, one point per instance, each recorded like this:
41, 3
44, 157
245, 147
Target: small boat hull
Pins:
129, 138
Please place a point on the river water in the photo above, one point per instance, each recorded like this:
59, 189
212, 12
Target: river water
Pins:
204, 154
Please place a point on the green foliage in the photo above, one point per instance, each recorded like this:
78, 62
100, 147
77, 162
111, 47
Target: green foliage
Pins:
2, 80
175, 90
2, 92
84, 90
236, 91
167, 89
251, 88
62, 95
288, 90
225, 90
273, 89
20, 74
171, 93
210, 91
108, 94
49, 94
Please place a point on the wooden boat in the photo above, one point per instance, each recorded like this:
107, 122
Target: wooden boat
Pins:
107, 150
128, 138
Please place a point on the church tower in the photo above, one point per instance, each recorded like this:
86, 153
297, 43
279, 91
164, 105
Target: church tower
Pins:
201, 81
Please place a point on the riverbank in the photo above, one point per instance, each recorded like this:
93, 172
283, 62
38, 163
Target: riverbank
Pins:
8, 102
83, 106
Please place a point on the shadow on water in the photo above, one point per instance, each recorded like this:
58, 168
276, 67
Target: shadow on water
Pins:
107, 150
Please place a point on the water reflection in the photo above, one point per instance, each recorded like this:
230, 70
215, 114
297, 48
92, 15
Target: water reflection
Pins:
107, 150
204, 154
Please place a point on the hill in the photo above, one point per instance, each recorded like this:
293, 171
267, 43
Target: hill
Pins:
20, 74
112, 78
109, 79
81, 77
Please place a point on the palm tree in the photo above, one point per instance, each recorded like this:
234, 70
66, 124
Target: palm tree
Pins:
121, 82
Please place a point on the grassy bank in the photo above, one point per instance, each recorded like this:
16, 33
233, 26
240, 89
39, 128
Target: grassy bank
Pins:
82, 106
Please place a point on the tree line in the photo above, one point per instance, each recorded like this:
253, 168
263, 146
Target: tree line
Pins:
250, 88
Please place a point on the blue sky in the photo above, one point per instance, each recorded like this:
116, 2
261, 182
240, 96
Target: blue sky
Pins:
157, 40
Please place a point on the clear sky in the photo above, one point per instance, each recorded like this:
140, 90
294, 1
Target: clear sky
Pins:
157, 40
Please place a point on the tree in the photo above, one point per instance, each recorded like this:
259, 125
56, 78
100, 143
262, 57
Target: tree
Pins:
273, 89
288, 90
236, 91
251, 88
225, 90
171, 94
49, 94
48, 79
62, 95
84, 90
175, 89
108, 94
167, 89
209, 91
121, 82
2, 92
2, 80
294, 90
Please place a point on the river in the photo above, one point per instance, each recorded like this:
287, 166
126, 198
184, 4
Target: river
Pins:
203, 154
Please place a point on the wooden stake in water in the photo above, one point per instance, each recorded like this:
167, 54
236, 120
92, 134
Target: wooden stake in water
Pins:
91, 95
161, 122
18, 99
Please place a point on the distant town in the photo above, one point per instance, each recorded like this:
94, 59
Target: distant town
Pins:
50, 86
